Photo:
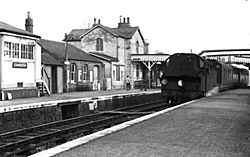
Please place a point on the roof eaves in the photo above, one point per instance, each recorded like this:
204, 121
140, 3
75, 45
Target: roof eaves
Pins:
108, 58
98, 25
19, 33
140, 34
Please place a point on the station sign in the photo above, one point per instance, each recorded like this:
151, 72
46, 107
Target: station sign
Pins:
19, 65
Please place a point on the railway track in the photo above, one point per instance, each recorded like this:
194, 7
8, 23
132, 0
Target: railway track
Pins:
28, 141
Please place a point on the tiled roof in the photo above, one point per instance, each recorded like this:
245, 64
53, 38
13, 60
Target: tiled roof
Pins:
4, 27
75, 34
57, 49
50, 59
123, 32
104, 57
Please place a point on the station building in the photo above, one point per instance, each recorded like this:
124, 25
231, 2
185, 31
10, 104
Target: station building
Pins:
20, 61
114, 47
66, 68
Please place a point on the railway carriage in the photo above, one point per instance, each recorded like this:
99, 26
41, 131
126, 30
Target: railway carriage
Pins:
188, 76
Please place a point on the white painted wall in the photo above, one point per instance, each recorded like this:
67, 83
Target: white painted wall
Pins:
48, 70
137, 37
60, 79
29, 75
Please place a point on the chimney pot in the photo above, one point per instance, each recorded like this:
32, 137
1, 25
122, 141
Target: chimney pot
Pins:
120, 19
128, 20
99, 21
124, 20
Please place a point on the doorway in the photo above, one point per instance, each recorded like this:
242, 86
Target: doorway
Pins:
54, 79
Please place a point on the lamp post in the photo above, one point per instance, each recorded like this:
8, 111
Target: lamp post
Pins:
66, 62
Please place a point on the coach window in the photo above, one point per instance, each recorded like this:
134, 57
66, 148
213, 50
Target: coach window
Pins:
73, 73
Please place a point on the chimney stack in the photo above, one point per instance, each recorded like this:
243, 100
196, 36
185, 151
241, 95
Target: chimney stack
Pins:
94, 24
29, 23
128, 20
124, 23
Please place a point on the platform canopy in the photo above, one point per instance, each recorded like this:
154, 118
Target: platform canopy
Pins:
149, 57
149, 60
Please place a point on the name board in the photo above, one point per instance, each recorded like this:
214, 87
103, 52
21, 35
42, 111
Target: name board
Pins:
136, 59
19, 65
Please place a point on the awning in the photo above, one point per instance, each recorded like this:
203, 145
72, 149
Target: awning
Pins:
149, 57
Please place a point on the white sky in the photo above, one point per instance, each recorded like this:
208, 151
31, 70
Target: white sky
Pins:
168, 25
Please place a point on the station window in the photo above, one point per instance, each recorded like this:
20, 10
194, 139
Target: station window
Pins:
79, 75
27, 51
15, 50
114, 75
73, 73
137, 71
118, 78
12, 50
7, 49
137, 47
122, 75
99, 44
85, 72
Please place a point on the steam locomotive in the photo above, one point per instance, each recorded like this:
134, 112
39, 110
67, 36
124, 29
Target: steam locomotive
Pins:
187, 76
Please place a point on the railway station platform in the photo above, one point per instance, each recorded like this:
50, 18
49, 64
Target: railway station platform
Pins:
216, 126
15, 104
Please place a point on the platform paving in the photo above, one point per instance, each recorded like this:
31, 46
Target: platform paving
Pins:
69, 96
216, 126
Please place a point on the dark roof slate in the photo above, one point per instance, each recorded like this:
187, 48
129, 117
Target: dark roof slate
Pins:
50, 59
123, 32
57, 49
126, 32
75, 34
4, 27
